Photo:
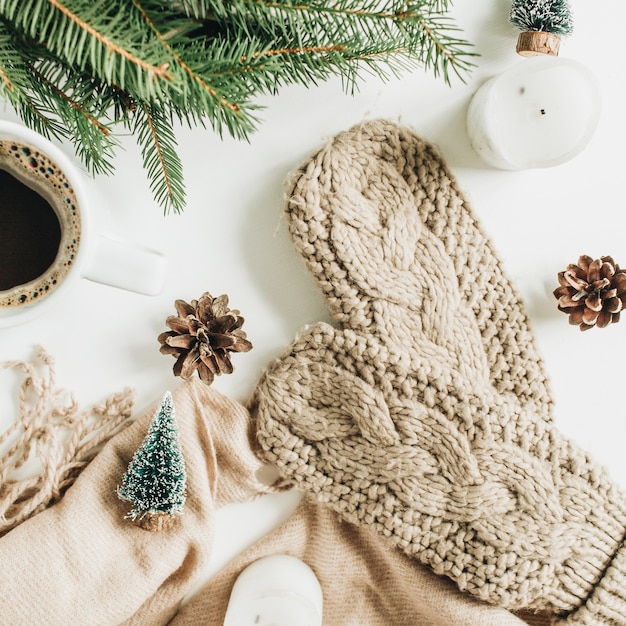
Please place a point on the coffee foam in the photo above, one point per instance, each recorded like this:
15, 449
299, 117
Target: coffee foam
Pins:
37, 171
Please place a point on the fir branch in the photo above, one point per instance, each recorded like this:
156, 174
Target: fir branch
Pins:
82, 105
19, 87
192, 75
443, 51
90, 38
217, 62
157, 141
91, 138
413, 29
80, 68
72, 103
266, 69
299, 51
112, 47
312, 64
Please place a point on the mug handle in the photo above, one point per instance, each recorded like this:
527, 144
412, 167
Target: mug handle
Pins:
126, 266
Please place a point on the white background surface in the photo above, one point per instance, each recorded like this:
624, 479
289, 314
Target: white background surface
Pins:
230, 239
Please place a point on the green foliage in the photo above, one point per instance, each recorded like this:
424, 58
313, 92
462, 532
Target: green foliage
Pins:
82, 70
550, 16
155, 481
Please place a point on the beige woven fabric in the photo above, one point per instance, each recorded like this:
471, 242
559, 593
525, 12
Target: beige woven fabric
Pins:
364, 581
425, 415
80, 562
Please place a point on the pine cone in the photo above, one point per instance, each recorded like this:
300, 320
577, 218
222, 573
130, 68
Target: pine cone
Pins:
593, 293
202, 335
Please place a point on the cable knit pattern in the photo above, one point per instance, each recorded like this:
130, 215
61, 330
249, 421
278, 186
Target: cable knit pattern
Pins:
426, 413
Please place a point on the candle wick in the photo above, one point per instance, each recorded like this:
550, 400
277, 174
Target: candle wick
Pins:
542, 111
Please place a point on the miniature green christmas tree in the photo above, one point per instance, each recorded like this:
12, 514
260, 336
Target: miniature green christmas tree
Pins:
155, 482
542, 24
549, 16
87, 71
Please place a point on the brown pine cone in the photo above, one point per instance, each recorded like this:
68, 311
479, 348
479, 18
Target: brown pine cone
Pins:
592, 292
202, 335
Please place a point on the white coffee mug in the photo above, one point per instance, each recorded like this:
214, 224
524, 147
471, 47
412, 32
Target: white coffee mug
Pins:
31, 163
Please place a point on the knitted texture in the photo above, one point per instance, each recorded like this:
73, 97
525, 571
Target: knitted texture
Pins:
425, 414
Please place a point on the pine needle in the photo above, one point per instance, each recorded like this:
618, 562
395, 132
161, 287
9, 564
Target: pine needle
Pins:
80, 69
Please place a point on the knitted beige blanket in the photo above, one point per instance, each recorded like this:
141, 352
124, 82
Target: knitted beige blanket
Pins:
423, 414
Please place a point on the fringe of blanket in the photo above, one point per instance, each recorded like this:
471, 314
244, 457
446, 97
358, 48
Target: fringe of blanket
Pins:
51, 429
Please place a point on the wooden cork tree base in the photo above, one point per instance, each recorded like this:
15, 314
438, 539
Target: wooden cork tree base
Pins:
536, 42
155, 522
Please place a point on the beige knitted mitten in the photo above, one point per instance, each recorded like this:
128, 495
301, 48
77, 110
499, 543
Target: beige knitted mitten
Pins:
80, 562
425, 415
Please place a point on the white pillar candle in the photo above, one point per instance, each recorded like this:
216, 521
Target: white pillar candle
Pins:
539, 113
277, 590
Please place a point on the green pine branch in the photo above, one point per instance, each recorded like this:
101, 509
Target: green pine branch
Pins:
70, 98
18, 89
153, 129
94, 37
196, 92
417, 30
82, 69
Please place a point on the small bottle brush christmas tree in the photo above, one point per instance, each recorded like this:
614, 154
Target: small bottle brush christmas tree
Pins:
155, 482
543, 23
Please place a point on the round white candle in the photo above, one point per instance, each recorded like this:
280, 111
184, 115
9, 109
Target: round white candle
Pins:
539, 113
277, 590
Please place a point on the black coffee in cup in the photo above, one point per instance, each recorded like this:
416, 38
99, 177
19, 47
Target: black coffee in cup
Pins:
39, 224
30, 233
